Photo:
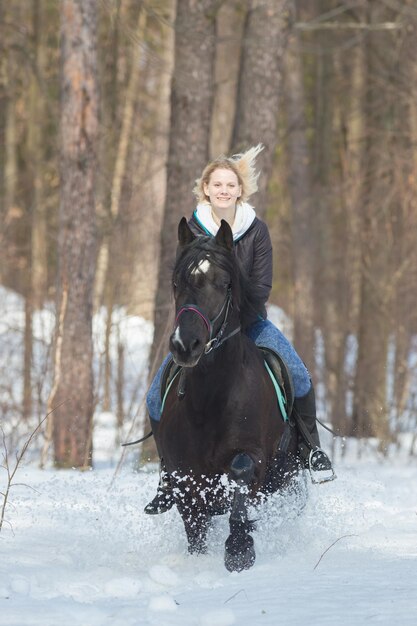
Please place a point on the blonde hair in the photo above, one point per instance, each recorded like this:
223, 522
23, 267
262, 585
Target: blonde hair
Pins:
243, 165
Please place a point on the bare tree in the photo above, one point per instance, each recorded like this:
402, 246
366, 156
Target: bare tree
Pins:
338, 280
229, 33
191, 109
302, 224
36, 148
370, 417
404, 83
122, 152
35, 281
336, 94
72, 432
259, 90
148, 159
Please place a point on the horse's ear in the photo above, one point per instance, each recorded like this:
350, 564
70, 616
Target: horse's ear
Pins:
224, 235
185, 234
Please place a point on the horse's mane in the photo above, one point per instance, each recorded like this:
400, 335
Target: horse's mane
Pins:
245, 293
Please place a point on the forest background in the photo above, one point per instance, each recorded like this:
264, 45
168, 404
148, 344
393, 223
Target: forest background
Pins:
109, 110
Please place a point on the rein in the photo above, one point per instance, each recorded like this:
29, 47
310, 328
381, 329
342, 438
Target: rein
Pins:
219, 338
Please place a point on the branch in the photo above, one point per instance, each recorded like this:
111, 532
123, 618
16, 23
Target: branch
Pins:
236, 594
11, 473
19, 456
347, 26
331, 546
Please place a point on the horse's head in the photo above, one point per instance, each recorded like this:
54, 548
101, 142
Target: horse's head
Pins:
203, 279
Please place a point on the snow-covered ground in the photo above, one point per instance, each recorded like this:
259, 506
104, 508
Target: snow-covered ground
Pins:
82, 552
77, 549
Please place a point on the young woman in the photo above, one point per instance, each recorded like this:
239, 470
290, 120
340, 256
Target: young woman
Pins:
223, 191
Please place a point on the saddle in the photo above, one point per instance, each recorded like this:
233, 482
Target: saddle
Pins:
274, 364
281, 379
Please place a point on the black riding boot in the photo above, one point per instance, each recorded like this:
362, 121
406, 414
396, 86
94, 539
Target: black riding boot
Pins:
313, 457
164, 499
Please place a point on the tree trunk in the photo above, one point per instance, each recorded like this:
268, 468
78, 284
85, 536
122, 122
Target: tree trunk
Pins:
370, 417
229, 33
10, 160
259, 90
120, 382
344, 265
302, 224
405, 224
35, 279
121, 160
107, 356
148, 160
191, 109
73, 397
27, 361
36, 165
333, 214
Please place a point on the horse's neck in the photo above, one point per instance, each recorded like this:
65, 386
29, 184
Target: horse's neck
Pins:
215, 372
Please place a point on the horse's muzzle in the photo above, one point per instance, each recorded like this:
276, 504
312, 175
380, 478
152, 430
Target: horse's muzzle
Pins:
185, 353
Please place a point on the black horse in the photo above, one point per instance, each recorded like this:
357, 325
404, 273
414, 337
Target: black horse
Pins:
221, 435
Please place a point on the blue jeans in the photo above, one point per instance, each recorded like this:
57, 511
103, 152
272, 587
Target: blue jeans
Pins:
263, 333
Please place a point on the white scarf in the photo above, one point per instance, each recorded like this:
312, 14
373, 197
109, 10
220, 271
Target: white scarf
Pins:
244, 216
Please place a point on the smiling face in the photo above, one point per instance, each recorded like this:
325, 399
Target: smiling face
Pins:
223, 190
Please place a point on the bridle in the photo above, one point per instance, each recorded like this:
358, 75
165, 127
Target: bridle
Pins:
219, 338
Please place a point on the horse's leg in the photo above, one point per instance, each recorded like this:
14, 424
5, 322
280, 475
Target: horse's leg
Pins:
239, 550
196, 524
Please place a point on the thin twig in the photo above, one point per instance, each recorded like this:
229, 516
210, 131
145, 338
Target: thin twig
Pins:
234, 595
331, 546
382, 26
26, 485
19, 456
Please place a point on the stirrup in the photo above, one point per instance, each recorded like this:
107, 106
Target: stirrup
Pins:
320, 467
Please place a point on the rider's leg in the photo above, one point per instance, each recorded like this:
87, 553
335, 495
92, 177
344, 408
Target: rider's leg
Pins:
163, 499
153, 397
310, 441
264, 333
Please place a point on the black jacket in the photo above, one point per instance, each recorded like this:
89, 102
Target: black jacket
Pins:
254, 251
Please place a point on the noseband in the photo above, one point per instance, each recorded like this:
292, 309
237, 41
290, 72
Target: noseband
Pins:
213, 342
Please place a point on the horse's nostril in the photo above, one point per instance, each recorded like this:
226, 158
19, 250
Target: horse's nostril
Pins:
195, 344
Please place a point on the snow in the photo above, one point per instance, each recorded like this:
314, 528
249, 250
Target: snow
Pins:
77, 549
80, 550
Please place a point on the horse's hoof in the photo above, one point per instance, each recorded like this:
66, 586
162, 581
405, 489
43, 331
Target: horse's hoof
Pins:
238, 560
160, 504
